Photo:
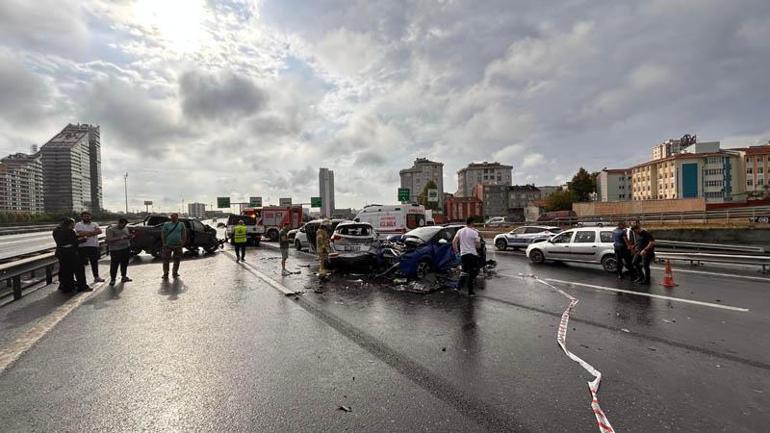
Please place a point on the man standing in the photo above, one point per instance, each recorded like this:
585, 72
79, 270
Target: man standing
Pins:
283, 240
239, 241
173, 235
645, 253
468, 241
322, 247
119, 241
89, 250
622, 250
70, 265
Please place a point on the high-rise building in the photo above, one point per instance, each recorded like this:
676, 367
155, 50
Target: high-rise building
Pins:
420, 174
614, 185
21, 183
72, 170
666, 149
326, 191
485, 173
196, 210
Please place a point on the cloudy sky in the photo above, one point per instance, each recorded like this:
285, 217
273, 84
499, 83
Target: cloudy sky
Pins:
198, 99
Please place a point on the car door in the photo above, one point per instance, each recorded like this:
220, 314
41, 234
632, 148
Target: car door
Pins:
516, 237
584, 246
559, 248
532, 233
443, 256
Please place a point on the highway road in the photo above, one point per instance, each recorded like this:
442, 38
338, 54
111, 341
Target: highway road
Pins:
14, 245
224, 349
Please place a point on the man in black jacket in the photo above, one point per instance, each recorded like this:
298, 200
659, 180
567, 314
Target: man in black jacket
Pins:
70, 265
645, 253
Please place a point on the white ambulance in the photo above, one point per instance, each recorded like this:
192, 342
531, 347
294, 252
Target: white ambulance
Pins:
393, 219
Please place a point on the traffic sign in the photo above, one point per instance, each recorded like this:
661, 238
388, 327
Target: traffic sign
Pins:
315, 201
147, 203
223, 202
433, 195
284, 202
255, 201
403, 194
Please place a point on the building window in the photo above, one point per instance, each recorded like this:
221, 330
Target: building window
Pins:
760, 169
749, 170
761, 181
749, 182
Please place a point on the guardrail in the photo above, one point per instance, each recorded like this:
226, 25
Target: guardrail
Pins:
702, 246
698, 258
12, 282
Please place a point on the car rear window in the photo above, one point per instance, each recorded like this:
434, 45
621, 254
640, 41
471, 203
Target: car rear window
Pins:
233, 220
355, 230
606, 237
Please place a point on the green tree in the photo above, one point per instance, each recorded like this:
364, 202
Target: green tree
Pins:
422, 198
582, 185
559, 200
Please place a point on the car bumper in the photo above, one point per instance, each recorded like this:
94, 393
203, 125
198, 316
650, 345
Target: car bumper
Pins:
351, 259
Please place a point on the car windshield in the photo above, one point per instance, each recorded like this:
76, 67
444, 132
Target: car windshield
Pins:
424, 233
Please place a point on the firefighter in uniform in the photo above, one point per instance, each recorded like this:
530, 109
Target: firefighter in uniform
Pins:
322, 247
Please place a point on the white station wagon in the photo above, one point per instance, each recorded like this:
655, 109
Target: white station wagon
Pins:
584, 245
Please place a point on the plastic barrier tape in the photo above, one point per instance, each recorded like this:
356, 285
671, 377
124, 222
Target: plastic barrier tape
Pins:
561, 338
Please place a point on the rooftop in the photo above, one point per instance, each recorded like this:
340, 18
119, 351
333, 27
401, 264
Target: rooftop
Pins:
485, 164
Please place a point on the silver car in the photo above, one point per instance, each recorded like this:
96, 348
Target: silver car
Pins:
300, 239
584, 245
521, 237
353, 244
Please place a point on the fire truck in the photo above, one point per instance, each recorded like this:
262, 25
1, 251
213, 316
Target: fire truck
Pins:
274, 217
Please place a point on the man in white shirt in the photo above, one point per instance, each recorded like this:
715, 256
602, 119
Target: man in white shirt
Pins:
468, 241
89, 250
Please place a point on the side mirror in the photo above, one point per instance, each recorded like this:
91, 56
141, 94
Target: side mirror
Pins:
443, 241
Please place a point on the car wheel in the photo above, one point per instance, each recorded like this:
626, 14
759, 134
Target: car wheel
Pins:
536, 256
501, 244
272, 235
423, 268
297, 245
610, 263
764, 220
600, 225
211, 249
156, 252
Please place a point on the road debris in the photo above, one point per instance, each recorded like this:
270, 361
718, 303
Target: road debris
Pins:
345, 408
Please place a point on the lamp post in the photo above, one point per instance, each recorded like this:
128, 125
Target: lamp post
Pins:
125, 189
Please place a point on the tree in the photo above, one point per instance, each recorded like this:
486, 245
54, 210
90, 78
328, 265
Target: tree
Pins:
582, 185
559, 200
423, 197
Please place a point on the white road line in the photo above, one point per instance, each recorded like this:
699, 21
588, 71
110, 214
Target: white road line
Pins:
716, 274
649, 295
274, 284
34, 334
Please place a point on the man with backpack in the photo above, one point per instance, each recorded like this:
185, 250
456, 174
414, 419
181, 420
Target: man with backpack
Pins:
173, 235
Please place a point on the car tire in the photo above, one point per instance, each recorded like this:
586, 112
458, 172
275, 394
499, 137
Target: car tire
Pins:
501, 244
297, 245
272, 234
537, 257
424, 267
211, 249
610, 263
764, 220
156, 252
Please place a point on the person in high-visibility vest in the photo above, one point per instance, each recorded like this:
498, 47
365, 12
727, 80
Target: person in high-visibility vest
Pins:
322, 247
239, 241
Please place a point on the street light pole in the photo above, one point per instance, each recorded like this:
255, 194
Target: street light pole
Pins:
125, 189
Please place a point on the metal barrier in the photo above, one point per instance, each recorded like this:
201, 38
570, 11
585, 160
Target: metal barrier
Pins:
697, 258
699, 246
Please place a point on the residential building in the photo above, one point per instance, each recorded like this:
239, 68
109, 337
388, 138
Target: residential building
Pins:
667, 148
461, 208
420, 174
21, 183
614, 185
485, 173
756, 168
533, 210
494, 199
545, 191
346, 213
71, 163
326, 191
196, 210
519, 196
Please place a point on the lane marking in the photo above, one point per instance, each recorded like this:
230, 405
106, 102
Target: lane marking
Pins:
22, 344
716, 274
649, 295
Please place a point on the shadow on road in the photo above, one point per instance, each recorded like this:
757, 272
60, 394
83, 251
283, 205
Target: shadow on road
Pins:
172, 288
35, 310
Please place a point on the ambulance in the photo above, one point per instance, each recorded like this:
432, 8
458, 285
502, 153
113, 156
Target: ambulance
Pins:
393, 219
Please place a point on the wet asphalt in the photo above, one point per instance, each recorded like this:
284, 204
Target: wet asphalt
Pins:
221, 350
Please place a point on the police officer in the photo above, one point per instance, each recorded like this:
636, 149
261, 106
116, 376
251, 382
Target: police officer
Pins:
239, 241
322, 247
623, 247
71, 268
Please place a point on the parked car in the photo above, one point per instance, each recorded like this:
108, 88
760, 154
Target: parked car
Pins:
311, 228
594, 223
353, 244
584, 245
147, 237
429, 249
496, 222
300, 239
521, 237
763, 219
254, 232
566, 216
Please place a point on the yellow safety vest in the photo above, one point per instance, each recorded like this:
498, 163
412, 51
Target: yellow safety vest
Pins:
239, 234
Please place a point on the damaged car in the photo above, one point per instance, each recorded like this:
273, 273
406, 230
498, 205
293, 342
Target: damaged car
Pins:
353, 245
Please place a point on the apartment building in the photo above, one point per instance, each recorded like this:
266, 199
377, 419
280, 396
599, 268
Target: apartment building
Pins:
756, 167
667, 148
21, 183
485, 173
421, 172
196, 210
614, 185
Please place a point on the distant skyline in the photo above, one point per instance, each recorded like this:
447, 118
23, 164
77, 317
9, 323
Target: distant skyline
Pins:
198, 99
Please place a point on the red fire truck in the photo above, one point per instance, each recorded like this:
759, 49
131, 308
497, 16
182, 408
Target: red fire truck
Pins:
274, 217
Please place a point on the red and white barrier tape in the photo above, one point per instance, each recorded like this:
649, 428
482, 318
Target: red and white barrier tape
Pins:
561, 338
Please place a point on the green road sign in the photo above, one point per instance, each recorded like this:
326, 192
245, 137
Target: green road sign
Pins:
255, 201
315, 201
223, 202
403, 194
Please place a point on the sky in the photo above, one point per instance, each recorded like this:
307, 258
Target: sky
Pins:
198, 99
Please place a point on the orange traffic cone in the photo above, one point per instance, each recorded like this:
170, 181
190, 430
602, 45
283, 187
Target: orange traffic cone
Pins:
668, 276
